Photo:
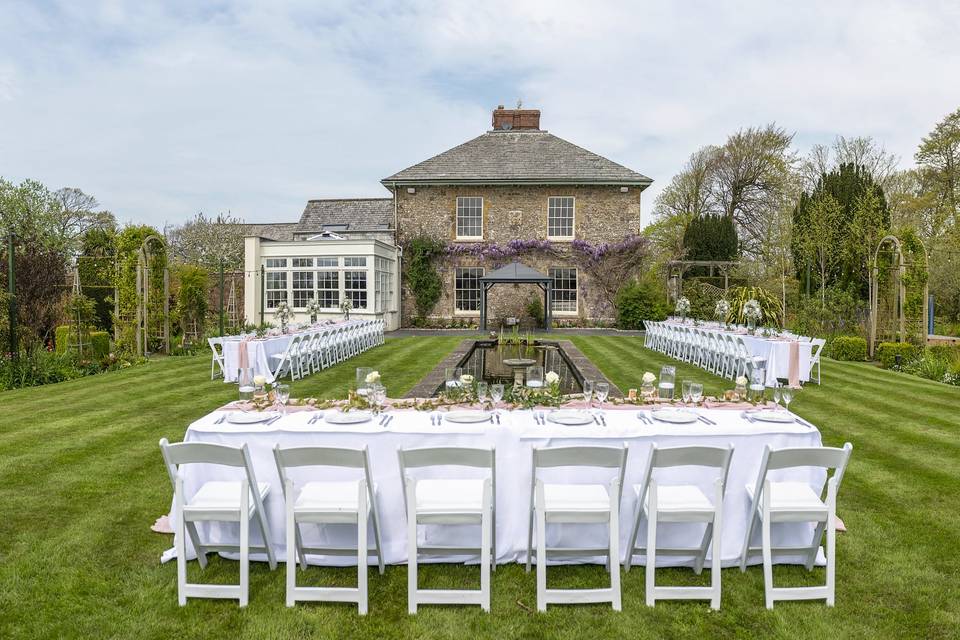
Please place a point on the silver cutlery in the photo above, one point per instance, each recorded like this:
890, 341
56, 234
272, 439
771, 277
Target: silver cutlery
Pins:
387, 421
603, 419
273, 419
496, 416
596, 419
221, 419
642, 417
803, 422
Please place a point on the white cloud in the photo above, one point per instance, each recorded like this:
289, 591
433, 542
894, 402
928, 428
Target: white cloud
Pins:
161, 110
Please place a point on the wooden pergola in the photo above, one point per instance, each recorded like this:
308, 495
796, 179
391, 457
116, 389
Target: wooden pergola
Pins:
680, 267
517, 273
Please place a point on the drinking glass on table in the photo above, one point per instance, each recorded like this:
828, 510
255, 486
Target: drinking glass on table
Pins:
777, 393
363, 386
376, 396
685, 391
668, 375
481, 392
602, 389
282, 394
788, 392
588, 392
696, 392
496, 393
245, 384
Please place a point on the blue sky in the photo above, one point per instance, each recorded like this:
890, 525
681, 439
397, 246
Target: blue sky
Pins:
161, 110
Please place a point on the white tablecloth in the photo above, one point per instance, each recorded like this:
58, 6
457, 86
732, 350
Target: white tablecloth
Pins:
513, 439
775, 350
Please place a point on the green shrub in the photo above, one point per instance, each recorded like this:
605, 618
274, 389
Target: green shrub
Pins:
639, 301
535, 310
849, 348
38, 367
843, 312
96, 344
929, 365
887, 353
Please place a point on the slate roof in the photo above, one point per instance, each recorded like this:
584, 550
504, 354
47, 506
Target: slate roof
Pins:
357, 214
514, 272
535, 157
280, 231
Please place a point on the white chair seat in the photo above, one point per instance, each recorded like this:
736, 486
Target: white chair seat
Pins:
329, 497
449, 496
792, 496
576, 497
222, 496
678, 498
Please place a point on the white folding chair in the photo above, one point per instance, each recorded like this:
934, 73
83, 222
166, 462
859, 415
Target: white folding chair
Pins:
449, 501
216, 360
219, 501
329, 502
287, 362
774, 502
552, 503
681, 503
815, 350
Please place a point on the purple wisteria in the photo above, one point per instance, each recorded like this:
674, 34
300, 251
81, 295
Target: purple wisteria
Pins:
592, 253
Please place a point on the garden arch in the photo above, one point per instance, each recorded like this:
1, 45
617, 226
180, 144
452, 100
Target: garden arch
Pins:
898, 270
144, 256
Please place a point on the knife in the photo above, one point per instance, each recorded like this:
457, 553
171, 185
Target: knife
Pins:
603, 419
596, 419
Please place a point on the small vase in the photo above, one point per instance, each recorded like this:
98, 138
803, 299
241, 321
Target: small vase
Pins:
751, 326
313, 318
741, 391
647, 390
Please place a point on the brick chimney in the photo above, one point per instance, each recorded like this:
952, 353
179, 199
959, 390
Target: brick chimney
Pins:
514, 119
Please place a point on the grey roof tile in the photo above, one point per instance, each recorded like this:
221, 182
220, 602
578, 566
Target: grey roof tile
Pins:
279, 231
358, 214
521, 156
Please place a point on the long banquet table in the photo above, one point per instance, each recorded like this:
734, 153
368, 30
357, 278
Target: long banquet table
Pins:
260, 350
776, 351
513, 439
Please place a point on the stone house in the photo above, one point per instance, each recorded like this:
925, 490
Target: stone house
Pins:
514, 193
516, 184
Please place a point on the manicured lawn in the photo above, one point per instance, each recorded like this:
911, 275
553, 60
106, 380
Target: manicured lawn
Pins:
81, 480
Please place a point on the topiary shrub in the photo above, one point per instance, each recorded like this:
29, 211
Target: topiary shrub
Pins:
849, 348
637, 302
887, 353
96, 344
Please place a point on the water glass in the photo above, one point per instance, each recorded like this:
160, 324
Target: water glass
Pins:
362, 384
376, 396
281, 393
453, 376
787, 392
668, 375
602, 391
685, 391
777, 391
496, 393
588, 392
481, 392
696, 392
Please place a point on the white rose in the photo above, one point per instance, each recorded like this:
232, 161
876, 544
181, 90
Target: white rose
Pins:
372, 377
259, 380
741, 380
552, 377
649, 378
466, 379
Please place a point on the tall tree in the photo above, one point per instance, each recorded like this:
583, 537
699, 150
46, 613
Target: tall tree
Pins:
817, 243
938, 160
205, 241
688, 194
862, 151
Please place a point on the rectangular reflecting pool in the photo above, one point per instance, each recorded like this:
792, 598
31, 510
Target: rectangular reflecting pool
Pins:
507, 363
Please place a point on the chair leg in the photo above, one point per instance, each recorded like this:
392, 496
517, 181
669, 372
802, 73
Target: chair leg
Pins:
831, 543
362, 551
292, 548
651, 569
411, 548
541, 552
715, 560
244, 543
181, 544
767, 553
485, 549
615, 546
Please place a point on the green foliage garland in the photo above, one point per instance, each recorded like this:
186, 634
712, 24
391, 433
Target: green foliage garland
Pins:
424, 281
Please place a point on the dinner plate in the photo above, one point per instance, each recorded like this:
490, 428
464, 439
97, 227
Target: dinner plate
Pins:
676, 416
347, 417
250, 417
467, 416
570, 417
772, 415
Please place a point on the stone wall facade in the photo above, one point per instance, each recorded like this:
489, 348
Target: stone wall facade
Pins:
602, 214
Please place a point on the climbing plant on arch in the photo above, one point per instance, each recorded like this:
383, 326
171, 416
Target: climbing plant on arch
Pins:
142, 303
898, 290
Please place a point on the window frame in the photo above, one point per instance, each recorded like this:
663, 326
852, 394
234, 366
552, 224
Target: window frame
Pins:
456, 290
573, 219
575, 290
456, 221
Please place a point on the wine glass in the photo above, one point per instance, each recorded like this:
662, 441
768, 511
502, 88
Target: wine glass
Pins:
481, 392
685, 391
496, 393
777, 392
788, 392
282, 393
696, 392
588, 392
602, 390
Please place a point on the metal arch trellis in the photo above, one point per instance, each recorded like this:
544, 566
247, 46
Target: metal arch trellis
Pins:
143, 298
899, 268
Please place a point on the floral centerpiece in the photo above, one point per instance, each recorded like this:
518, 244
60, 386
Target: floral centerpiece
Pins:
283, 314
345, 307
741, 388
721, 310
372, 378
683, 307
752, 312
646, 387
313, 308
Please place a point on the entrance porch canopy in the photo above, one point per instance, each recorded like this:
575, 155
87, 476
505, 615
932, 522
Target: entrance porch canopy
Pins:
517, 273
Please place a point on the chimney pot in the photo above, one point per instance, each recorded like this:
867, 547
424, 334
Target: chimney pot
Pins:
514, 119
